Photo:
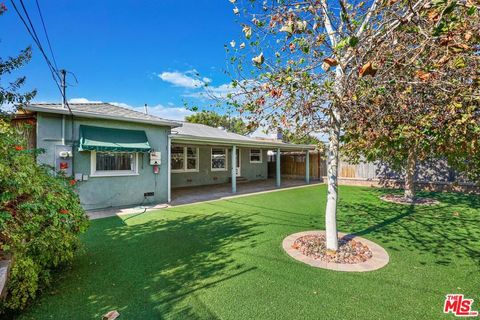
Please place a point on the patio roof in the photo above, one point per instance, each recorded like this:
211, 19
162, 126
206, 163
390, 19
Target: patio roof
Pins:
194, 133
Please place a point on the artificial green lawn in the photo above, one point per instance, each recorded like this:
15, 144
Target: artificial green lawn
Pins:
224, 260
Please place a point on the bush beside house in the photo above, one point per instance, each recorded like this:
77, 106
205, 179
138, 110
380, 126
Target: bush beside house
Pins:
40, 219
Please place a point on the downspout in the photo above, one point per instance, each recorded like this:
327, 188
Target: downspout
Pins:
64, 102
169, 172
63, 127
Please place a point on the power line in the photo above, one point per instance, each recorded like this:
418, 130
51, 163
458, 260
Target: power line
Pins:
37, 41
46, 35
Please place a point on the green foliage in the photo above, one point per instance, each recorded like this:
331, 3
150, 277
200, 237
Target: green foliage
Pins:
10, 94
427, 104
292, 137
40, 214
231, 265
40, 219
213, 119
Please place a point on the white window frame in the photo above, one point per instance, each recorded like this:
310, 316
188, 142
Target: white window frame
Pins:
226, 159
111, 173
185, 157
261, 156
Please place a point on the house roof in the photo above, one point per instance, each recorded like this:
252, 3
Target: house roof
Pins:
202, 134
102, 110
182, 132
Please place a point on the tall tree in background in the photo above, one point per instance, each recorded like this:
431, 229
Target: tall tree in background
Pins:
424, 102
306, 56
292, 137
213, 119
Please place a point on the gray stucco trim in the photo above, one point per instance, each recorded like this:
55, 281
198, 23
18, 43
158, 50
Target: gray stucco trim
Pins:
228, 142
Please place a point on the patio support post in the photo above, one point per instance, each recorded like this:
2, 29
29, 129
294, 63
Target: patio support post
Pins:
278, 180
307, 167
234, 169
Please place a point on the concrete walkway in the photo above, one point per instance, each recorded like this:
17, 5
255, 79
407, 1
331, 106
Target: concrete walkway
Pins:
190, 195
221, 191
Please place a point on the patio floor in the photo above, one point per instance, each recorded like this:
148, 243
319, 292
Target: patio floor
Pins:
187, 195
219, 191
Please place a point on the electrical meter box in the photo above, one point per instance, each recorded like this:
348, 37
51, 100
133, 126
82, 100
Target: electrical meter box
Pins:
155, 158
63, 159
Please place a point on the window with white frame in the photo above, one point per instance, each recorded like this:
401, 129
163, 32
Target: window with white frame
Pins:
184, 159
113, 164
219, 159
255, 156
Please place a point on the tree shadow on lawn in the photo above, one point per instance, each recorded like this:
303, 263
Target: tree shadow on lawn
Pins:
151, 269
450, 198
446, 230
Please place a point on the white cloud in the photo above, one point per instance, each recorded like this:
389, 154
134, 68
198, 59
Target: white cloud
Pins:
170, 112
221, 91
165, 112
184, 80
83, 100
213, 92
159, 110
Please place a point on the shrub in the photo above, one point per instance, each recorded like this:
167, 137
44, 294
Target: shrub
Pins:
40, 219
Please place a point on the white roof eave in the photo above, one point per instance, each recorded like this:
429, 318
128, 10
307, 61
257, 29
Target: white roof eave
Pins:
251, 143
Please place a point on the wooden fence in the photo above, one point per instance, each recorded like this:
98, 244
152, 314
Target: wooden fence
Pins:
292, 166
434, 175
26, 128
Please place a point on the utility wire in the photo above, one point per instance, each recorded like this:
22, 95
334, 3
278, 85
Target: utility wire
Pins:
46, 34
33, 34
39, 45
74, 76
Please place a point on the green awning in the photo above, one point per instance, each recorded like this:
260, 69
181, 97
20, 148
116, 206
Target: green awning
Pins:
108, 139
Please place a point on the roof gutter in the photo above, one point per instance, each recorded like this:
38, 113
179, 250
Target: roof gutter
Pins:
84, 114
262, 144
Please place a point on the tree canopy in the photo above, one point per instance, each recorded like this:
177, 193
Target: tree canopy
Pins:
423, 101
305, 58
214, 119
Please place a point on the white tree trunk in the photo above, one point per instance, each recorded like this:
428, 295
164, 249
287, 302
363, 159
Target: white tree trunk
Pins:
332, 166
410, 175
332, 183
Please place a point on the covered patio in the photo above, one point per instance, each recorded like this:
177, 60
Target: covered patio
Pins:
208, 163
188, 195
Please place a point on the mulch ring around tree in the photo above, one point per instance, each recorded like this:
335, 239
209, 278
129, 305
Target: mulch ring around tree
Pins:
349, 250
399, 199
354, 254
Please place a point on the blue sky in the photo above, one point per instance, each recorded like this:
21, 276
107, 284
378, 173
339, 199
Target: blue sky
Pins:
129, 52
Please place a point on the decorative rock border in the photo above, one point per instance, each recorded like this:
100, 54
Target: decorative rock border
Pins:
379, 259
430, 201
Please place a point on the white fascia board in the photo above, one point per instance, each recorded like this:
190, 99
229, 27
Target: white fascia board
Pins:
229, 142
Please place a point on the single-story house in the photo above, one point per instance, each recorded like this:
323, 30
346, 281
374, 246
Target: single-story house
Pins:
121, 157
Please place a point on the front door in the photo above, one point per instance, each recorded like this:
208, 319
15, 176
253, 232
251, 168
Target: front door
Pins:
239, 161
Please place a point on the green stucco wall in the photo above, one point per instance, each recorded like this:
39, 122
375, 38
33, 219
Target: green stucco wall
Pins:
251, 171
103, 192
